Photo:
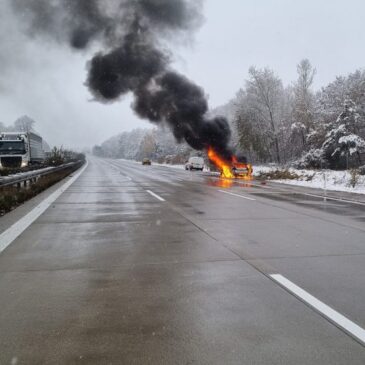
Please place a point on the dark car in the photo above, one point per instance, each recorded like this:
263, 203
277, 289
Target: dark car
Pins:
146, 161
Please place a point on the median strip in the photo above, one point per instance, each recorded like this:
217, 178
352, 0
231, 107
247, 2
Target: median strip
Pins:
238, 195
155, 195
321, 307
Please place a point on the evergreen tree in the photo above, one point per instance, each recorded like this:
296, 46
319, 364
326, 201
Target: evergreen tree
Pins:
343, 147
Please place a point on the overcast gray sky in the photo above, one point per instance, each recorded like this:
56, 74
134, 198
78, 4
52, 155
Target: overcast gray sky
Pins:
45, 80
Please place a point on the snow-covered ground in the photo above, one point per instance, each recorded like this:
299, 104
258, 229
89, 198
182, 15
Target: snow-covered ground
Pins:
324, 179
179, 167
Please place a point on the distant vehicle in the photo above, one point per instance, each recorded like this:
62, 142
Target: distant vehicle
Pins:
20, 149
146, 161
195, 163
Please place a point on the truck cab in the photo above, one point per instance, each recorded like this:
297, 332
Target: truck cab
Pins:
19, 149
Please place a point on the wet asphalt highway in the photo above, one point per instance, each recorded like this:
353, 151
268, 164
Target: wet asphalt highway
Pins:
141, 264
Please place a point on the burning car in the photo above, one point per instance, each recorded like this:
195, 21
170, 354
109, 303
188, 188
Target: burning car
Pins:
241, 168
232, 168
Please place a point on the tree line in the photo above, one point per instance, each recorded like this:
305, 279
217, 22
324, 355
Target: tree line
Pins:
157, 144
22, 124
296, 125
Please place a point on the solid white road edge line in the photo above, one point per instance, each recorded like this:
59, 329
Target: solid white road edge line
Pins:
240, 196
330, 313
155, 195
9, 235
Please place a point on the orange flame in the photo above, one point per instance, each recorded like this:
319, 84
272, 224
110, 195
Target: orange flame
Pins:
226, 167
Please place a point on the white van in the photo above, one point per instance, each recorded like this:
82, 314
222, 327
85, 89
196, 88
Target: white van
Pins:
195, 163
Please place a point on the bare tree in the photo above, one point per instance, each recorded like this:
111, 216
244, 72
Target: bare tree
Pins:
265, 94
148, 145
303, 108
24, 124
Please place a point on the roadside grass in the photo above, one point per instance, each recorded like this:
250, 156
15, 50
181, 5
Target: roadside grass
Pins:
354, 177
350, 181
278, 174
12, 196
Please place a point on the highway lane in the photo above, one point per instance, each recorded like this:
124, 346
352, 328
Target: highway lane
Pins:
110, 273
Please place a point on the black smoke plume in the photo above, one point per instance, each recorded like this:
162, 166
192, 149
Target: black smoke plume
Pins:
131, 34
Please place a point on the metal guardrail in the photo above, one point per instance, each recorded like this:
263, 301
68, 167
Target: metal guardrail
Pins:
32, 176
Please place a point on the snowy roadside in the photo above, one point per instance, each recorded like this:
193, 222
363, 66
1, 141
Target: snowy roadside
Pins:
178, 167
322, 179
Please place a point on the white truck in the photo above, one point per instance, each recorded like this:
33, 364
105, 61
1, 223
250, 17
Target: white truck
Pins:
20, 149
